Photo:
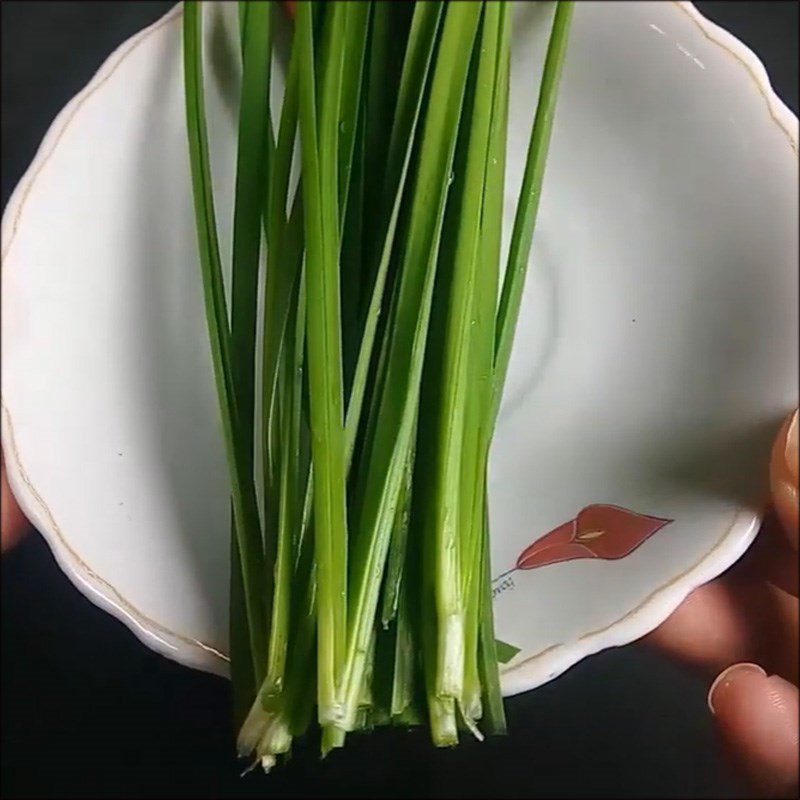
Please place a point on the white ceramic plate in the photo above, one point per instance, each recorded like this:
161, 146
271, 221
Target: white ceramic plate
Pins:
656, 353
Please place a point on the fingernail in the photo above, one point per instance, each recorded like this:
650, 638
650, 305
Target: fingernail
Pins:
727, 676
791, 447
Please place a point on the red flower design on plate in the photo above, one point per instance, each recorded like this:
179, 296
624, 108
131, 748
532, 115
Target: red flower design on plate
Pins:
599, 531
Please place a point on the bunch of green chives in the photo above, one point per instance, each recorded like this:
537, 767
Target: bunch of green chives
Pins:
360, 571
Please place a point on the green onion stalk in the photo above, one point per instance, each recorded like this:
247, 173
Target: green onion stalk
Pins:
366, 260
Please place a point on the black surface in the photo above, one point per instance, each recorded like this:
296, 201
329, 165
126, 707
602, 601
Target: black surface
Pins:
87, 711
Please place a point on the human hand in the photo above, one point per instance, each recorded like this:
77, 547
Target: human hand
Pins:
743, 628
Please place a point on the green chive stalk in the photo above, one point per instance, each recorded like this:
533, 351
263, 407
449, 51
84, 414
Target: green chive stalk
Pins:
324, 356
448, 530
530, 194
479, 392
245, 509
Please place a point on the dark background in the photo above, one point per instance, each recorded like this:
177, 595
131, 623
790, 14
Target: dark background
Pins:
87, 711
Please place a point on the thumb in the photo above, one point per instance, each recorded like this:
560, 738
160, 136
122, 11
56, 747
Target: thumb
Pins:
783, 477
757, 717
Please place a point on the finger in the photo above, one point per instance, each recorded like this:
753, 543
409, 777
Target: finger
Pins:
783, 477
13, 524
757, 718
729, 620
772, 558
707, 630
